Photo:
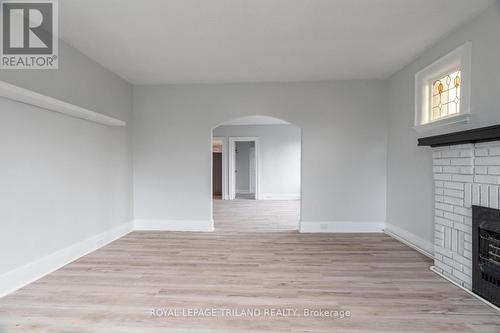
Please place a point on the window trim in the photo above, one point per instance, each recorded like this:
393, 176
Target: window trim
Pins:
458, 58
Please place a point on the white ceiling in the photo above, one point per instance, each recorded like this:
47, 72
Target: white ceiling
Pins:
256, 120
215, 41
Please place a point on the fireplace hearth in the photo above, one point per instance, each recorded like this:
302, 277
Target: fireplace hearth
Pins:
486, 253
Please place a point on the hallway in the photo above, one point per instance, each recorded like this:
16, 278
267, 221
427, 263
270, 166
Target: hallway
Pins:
244, 215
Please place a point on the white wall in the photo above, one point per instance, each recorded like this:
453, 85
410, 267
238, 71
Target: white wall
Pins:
343, 145
280, 152
80, 81
410, 203
62, 179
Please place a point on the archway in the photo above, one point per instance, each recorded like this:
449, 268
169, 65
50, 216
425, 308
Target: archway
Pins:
256, 174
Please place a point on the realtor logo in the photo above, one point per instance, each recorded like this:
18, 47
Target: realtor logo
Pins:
29, 34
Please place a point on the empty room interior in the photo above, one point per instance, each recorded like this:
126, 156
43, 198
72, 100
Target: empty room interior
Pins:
250, 166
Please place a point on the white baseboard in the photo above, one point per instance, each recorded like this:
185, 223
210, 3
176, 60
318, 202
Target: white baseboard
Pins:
433, 269
26, 274
340, 226
242, 191
278, 196
421, 245
175, 225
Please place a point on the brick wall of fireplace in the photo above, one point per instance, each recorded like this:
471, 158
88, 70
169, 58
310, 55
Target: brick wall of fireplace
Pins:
464, 175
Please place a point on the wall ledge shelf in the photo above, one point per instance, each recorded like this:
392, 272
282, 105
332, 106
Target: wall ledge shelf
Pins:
483, 134
26, 96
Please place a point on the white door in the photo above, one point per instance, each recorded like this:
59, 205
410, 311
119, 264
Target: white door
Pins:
251, 170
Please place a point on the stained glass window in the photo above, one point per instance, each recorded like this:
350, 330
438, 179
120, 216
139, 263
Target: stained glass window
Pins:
446, 95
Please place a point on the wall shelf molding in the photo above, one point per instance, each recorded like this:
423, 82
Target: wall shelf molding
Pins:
26, 96
483, 134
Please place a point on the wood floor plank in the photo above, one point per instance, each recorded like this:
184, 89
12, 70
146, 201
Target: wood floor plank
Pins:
254, 260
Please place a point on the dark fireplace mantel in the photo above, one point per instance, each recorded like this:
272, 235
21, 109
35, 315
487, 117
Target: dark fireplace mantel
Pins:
483, 134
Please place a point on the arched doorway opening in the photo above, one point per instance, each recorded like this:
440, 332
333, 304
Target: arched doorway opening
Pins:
256, 175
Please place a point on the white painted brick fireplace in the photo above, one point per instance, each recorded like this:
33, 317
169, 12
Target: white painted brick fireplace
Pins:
464, 175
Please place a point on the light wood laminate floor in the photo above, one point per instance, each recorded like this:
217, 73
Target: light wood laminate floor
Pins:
386, 286
244, 215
